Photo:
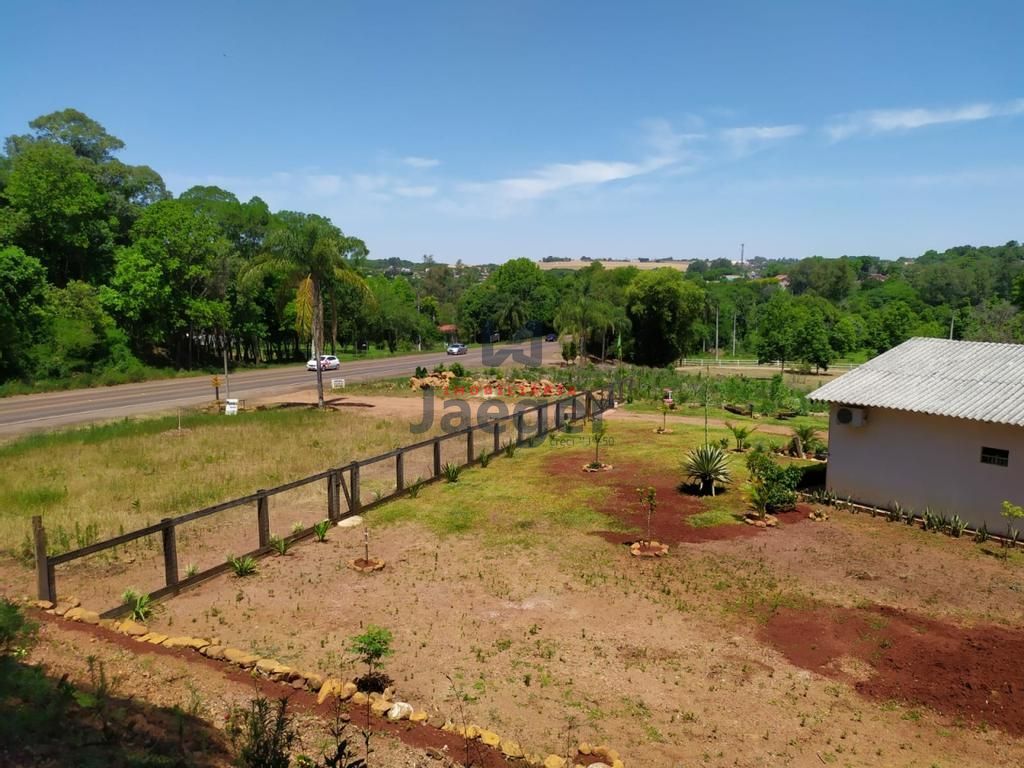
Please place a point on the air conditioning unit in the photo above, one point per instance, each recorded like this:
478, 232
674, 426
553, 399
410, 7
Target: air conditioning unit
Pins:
852, 417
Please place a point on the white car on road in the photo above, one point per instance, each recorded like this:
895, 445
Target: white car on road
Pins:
457, 349
327, 363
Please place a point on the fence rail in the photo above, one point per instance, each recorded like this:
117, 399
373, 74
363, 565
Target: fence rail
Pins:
704, 362
343, 483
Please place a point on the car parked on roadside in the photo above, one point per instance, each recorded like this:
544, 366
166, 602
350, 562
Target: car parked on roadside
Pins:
457, 349
551, 337
327, 363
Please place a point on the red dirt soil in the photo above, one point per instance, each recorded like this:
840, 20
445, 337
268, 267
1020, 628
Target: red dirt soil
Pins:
670, 524
971, 673
417, 736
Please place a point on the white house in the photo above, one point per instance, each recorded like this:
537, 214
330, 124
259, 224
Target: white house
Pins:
931, 423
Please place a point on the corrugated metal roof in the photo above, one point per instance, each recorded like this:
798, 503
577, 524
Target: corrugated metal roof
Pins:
975, 380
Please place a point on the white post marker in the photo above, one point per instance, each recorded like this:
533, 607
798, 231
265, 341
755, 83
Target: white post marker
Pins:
231, 407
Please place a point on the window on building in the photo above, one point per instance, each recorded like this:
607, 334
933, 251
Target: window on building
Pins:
996, 456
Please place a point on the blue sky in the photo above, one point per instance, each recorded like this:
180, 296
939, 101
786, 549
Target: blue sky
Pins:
486, 131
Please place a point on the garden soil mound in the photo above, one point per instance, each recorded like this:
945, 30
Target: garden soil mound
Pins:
670, 524
969, 673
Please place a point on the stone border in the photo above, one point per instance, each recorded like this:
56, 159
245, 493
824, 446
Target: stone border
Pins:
380, 704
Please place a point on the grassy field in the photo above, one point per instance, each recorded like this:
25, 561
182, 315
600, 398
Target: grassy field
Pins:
95, 482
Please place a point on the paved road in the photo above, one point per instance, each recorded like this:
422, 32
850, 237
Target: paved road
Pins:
26, 413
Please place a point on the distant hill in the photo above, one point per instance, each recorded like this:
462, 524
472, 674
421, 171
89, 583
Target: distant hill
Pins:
682, 266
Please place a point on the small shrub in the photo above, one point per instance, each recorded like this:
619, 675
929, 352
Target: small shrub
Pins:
458, 370
414, 489
450, 472
191, 570
371, 648
510, 449
723, 443
262, 734
708, 466
297, 528
17, 634
895, 512
485, 459
775, 486
1011, 512
957, 526
421, 372
280, 545
140, 605
806, 438
439, 368
741, 433
320, 530
981, 535
242, 566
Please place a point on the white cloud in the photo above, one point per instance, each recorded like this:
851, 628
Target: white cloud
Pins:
747, 137
421, 162
415, 191
885, 120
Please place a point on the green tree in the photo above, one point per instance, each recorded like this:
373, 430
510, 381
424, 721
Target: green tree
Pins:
776, 331
63, 209
662, 308
22, 299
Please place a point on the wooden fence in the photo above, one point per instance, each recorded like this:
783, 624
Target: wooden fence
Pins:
342, 483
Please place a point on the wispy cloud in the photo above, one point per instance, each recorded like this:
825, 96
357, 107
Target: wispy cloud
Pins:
886, 120
415, 191
748, 137
421, 162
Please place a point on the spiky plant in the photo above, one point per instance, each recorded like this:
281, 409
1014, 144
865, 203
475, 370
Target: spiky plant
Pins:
708, 466
451, 472
320, 530
242, 566
807, 435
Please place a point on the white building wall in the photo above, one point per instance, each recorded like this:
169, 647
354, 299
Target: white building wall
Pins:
926, 461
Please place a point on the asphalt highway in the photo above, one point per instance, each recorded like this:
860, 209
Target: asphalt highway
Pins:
27, 413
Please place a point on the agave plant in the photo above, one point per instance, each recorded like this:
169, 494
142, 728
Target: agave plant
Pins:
451, 472
707, 465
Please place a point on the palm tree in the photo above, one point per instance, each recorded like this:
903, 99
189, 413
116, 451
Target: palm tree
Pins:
310, 251
741, 433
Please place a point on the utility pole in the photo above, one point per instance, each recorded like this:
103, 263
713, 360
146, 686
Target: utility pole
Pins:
734, 333
951, 318
227, 382
716, 333
741, 256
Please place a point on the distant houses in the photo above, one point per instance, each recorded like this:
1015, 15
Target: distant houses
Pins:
931, 424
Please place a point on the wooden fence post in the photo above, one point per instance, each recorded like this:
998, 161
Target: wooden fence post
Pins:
558, 414
263, 517
356, 502
589, 409
437, 457
497, 436
470, 453
542, 422
169, 537
46, 589
575, 402
333, 507
520, 427
400, 471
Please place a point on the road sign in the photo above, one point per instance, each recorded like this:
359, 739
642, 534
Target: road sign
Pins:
231, 407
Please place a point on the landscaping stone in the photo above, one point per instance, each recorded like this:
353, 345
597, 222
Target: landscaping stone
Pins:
510, 748
332, 686
380, 707
153, 638
351, 522
359, 699
241, 658
400, 711
490, 738
298, 683
43, 604
110, 624
267, 666
554, 761
83, 615
215, 652
448, 727
195, 643
132, 628
313, 681
599, 765
66, 605
348, 690
584, 748
419, 716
